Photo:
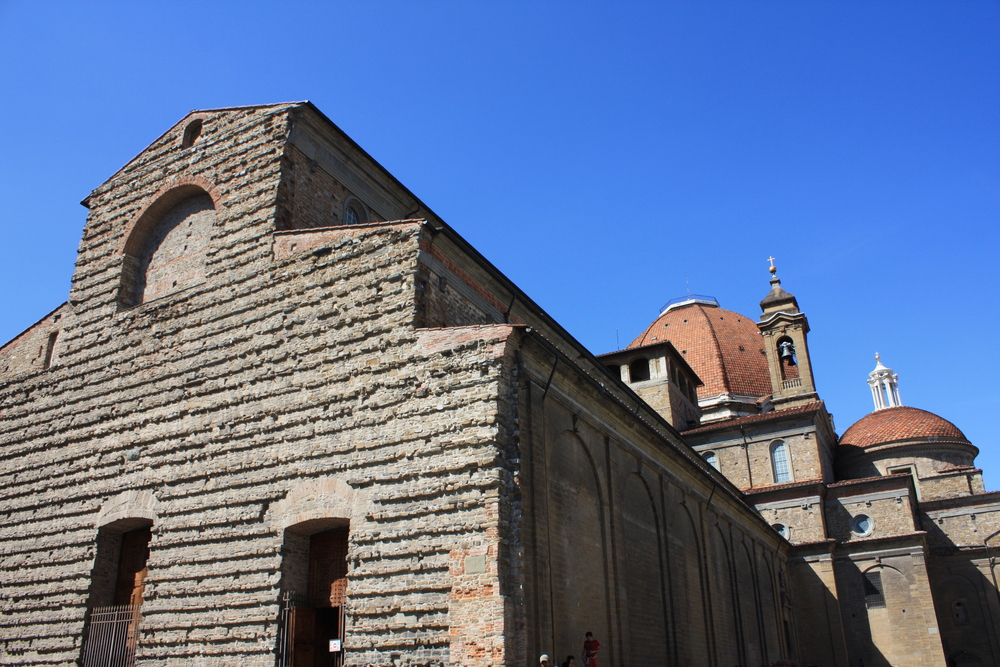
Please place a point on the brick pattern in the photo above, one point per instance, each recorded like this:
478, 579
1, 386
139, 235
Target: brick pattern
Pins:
905, 632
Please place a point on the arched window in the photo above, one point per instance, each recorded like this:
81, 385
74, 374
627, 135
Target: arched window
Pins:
615, 369
711, 459
165, 252
781, 528
779, 462
639, 370
191, 133
355, 212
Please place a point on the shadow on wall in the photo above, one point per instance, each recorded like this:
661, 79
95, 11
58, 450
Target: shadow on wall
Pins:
966, 599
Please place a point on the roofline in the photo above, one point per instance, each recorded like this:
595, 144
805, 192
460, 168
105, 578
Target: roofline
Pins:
34, 324
669, 345
754, 419
85, 202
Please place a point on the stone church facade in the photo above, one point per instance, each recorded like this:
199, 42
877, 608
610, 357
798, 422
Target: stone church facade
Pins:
288, 416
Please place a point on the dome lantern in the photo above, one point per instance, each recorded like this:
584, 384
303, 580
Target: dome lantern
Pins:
884, 384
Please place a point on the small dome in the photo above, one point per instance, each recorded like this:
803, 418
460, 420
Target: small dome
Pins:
900, 424
724, 348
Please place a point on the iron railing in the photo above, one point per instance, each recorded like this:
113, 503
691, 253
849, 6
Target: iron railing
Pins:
289, 600
114, 632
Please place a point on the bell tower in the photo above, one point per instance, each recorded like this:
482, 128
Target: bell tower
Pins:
784, 329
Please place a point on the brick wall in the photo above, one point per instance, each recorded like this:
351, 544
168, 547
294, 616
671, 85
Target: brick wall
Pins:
905, 631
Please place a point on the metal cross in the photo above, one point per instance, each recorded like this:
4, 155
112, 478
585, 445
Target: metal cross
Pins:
771, 259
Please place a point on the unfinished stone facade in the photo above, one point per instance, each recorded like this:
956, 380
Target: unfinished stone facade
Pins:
271, 348
289, 417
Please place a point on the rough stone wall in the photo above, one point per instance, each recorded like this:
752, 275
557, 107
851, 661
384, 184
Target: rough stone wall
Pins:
929, 459
821, 639
666, 398
241, 399
441, 305
309, 197
28, 352
952, 484
233, 402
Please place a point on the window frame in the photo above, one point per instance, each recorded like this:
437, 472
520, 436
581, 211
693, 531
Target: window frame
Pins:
781, 476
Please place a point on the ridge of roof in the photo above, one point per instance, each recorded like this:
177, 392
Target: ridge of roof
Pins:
764, 416
752, 490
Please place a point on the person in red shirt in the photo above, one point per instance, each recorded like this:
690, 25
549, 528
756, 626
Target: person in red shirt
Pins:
590, 648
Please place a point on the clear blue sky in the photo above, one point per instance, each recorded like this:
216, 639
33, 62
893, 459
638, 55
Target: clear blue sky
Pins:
601, 155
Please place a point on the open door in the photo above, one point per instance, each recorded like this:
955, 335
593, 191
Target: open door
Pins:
316, 631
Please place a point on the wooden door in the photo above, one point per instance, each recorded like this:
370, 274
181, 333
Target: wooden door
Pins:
132, 568
327, 592
328, 569
303, 634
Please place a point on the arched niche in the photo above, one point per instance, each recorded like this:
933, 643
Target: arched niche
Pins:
642, 575
166, 248
577, 543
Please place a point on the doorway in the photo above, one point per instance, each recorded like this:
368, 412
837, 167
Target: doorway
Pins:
316, 625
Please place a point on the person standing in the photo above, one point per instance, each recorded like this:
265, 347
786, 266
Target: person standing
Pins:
590, 648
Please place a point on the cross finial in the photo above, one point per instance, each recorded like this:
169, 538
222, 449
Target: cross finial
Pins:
877, 358
773, 268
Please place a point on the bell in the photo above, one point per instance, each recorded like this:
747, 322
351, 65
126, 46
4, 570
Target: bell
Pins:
787, 351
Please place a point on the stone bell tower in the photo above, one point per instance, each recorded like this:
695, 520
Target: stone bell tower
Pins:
784, 329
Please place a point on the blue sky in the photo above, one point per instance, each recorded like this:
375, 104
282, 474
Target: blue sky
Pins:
603, 156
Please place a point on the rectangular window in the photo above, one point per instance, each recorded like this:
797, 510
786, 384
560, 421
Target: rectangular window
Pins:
874, 595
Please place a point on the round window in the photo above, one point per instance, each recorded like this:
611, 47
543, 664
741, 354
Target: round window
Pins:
781, 528
862, 524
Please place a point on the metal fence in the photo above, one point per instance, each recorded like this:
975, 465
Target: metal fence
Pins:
113, 634
289, 600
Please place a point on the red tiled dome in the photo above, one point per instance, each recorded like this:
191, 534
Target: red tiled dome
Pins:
898, 424
724, 348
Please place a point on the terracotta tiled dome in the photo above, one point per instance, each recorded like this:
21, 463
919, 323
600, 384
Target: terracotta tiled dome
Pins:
900, 424
724, 348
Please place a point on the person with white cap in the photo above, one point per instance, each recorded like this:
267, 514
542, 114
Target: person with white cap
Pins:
543, 660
